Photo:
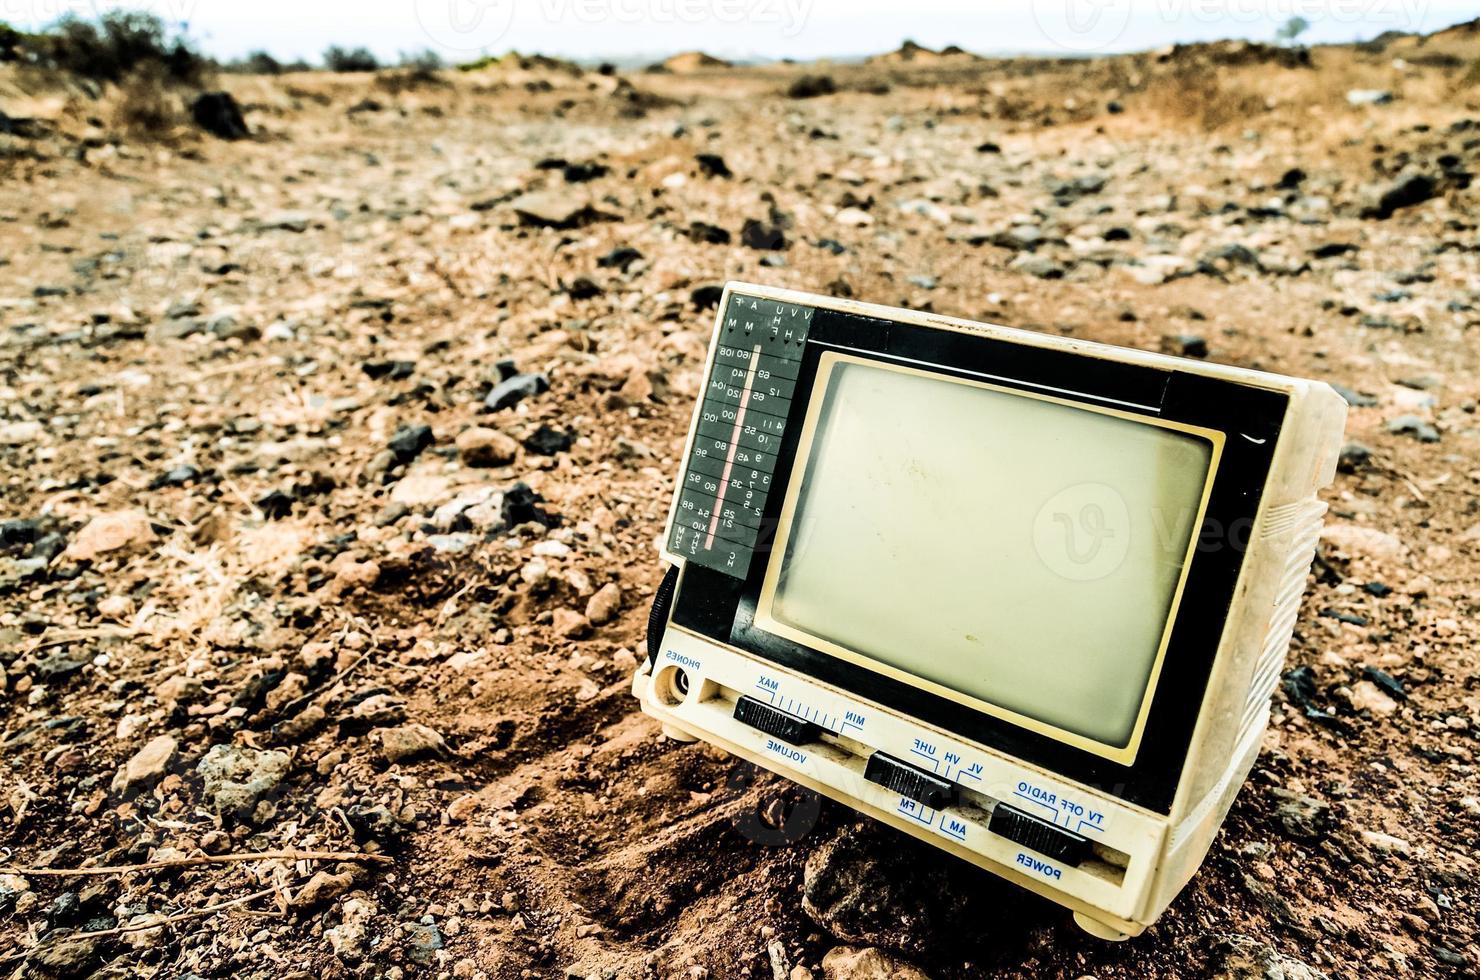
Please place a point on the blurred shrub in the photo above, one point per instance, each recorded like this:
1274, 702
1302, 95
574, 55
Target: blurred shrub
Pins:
349, 59
120, 42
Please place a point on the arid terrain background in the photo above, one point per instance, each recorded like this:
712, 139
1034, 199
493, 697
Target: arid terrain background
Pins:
288, 563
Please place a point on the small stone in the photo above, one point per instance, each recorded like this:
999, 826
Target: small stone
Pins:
706, 297
1367, 697
1249, 959
569, 624
583, 288
1386, 843
147, 766
1367, 542
1355, 399
552, 209
408, 742
1038, 266
323, 888
761, 236
20, 433
603, 606
851, 963
481, 446
219, 114
1385, 682
237, 778
1303, 817
1414, 426
707, 234
1185, 345
423, 940
409, 441
1369, 96
122, 531
1354, 456
619, 258
713, 165
924, 282
462, 809
351, 574
511, 391
61, 956
1408, 189
546, 441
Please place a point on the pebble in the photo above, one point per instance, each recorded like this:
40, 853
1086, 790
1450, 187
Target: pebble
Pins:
1248, 959
1415, 426
237, 778
1186, 345
122, 531
546, 441
550, 209
20, 433
1302, 817
851, 963
409, 441
511, 391
1408, 189
60, 956
761, 236
482, 446
569, 624
1037, 265
408, 742
147, 766
1367, 697
423, 940
604, 605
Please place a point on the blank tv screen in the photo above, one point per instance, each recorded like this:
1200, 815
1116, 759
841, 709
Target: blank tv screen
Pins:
1021, 552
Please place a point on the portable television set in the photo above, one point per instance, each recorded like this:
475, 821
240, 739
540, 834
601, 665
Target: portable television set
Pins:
1022, 596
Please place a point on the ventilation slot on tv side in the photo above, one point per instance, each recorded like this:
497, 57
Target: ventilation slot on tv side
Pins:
1302, 522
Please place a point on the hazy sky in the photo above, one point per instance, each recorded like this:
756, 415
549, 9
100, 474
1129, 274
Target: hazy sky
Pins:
459, 29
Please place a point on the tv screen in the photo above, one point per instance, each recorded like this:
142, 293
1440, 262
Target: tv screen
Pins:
997, 547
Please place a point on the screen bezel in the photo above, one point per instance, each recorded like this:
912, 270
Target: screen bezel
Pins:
766, 620
722, 608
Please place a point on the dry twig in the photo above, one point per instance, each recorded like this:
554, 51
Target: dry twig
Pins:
199, 860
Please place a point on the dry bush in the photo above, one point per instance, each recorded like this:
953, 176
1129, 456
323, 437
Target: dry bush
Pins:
147, 107
1202, 96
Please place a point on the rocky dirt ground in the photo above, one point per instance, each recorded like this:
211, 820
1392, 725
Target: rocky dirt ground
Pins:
334, 461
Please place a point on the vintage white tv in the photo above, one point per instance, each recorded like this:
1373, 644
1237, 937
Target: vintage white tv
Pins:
1022, 596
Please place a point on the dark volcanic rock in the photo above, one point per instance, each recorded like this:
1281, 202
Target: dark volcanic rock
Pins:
761, 236
619, 258
409, 441
713, 165
706, 233
1406, 191
546, 441
218, 114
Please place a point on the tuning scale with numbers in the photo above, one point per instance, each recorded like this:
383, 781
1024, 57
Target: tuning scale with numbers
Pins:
727, 477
